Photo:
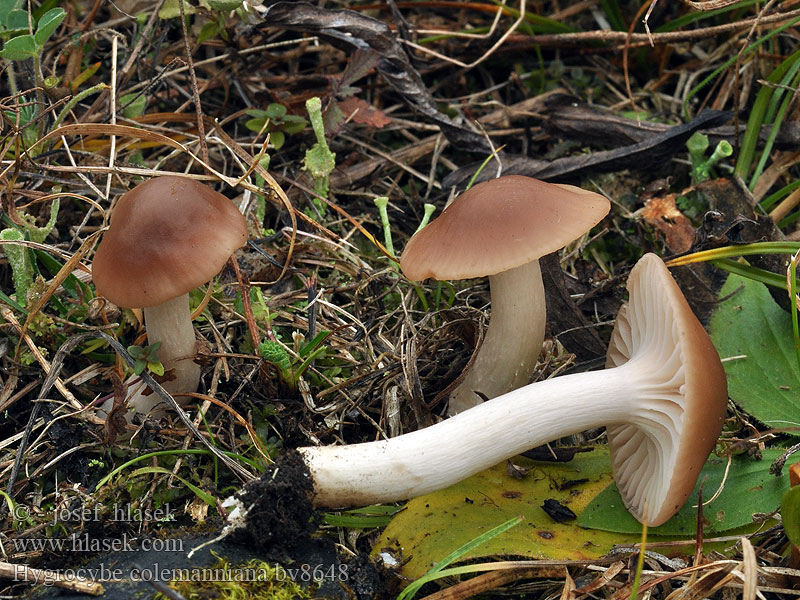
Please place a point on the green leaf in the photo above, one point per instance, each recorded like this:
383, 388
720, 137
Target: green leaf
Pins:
48, 24
19, 48
256, 124
277, 138
765, 382
18, 19
257, 113
749, 488
139, 366
208, 31
790, 513
309, 347
133, 104
155, 367
293, 124
172, 10
74, 287
368, 517
6, 6
224, 5
273, 352
275, 111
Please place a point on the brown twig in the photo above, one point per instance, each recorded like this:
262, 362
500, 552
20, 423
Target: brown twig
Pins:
48, 577
493, 580
641, 39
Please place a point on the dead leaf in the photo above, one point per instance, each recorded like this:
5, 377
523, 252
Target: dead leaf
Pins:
115, 421
362, 112
197, 510
663, 214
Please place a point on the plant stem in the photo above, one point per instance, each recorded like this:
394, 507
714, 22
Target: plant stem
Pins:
793, 301
382, 203
429, 208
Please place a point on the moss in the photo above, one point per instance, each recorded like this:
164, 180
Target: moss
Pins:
253, 580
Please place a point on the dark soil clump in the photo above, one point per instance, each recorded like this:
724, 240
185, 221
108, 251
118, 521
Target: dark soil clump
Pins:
280, 516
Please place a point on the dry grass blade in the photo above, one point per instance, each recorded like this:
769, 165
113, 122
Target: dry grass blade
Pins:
749, 570
493, 580
710, 4
63, 273
132, 132
257, 443
8, 315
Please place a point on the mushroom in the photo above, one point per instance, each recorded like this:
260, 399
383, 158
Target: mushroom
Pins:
167, 236
501, 228
662, 399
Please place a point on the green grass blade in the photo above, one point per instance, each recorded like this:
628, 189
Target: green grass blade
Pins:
751, 48
759, 111
435, 572
765, 277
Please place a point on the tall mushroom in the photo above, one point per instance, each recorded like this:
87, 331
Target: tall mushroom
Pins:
167, 236
662, 399
501, 228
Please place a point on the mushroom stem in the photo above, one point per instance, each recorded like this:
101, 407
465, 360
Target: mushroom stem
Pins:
445, 453
171, 324
513, 338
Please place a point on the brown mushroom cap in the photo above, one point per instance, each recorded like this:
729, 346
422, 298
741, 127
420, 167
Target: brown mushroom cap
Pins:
167, 236
660, 457
501, 224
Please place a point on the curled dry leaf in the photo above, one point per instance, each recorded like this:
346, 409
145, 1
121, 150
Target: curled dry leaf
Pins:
663, 214
362, 112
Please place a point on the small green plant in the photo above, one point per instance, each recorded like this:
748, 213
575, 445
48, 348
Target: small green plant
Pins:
24, 119
18, 43
146, 357
20, 257
291, 370
701, 166
319, 160
276, 122
382, 203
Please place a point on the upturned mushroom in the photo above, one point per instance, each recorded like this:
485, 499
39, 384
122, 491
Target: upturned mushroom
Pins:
501, 228
167, 236
662, 399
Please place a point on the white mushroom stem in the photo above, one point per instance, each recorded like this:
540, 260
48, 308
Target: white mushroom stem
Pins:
513, 340
169, 323
450, 451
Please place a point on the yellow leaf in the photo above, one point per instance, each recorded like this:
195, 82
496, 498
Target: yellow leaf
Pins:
432, 526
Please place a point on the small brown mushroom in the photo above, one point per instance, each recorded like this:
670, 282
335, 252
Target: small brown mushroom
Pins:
167, 236
501, 228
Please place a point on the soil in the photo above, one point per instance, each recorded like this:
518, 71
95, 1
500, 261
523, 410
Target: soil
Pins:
280, 516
